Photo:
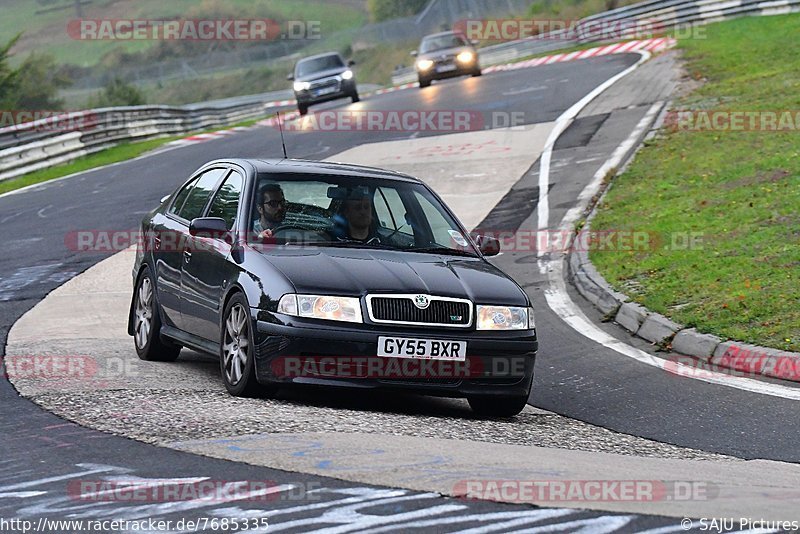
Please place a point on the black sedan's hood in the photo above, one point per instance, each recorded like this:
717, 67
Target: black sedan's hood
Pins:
356, 272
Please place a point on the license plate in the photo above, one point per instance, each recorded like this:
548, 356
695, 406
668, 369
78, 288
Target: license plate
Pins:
423, 349
445, 68
324, 91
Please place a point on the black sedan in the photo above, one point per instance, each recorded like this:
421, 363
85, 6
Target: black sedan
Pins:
300, 272
322, 78
445, 55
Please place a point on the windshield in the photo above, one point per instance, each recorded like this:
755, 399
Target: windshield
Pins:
441, 42
347, 211
319, 64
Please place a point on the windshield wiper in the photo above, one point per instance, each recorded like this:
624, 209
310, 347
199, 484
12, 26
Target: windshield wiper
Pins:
442, 250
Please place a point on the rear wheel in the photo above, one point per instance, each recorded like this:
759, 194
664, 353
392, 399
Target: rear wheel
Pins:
497, 406
237, 349
147, 324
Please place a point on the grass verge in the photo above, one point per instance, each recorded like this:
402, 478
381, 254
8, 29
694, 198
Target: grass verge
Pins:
115, 154
739, 189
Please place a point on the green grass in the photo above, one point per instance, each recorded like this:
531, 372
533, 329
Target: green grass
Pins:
115, 154
741, 190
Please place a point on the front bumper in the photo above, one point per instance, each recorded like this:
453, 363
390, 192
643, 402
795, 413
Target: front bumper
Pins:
346, 89
461, 69
346, 356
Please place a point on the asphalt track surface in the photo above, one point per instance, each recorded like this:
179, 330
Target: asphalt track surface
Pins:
575, 376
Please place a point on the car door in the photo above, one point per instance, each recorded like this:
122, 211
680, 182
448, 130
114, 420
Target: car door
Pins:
170, 233
207, 269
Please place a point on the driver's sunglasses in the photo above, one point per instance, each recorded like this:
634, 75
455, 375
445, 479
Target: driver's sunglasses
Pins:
275, 203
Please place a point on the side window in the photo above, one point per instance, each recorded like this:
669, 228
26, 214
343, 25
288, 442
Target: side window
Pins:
391, 210
180, 198
226, 202
198, 197
440, 224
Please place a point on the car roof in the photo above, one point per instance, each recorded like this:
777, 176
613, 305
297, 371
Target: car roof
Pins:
316, 56
302, 166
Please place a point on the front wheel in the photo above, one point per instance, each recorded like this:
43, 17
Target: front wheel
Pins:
354, 97
237, 349
147, 324
497, 406
302, 109
477, 72
424, 83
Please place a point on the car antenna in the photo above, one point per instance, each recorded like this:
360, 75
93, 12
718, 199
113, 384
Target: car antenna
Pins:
280, 128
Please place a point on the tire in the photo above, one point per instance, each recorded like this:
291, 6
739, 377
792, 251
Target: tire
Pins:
424, 83
497, 406
147, 324
354, 97
237, 360
477, 73
302, 109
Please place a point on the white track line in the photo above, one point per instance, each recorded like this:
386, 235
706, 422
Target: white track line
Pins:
562, 123
558, 298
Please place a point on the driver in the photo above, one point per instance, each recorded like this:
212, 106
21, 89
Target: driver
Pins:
271, 210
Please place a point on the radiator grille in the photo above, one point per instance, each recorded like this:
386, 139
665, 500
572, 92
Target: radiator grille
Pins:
439, 312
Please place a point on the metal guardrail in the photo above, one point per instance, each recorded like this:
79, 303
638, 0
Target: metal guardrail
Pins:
625, 22
35, 145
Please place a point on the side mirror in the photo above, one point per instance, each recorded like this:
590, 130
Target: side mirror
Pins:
413, 53
489, 246
290, 77
351, 63
213, 227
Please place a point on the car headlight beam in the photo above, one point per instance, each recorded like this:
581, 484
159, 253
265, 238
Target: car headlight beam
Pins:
465, 57
347, 75
424, 64
301, 86
504, 318
327, 307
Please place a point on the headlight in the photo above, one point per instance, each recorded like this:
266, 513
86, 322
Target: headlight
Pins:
322, 307
424, 64
348, 74
465, 57
504, 318
301, 86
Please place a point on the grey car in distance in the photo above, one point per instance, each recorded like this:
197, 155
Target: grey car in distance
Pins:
445, 55
322, 78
